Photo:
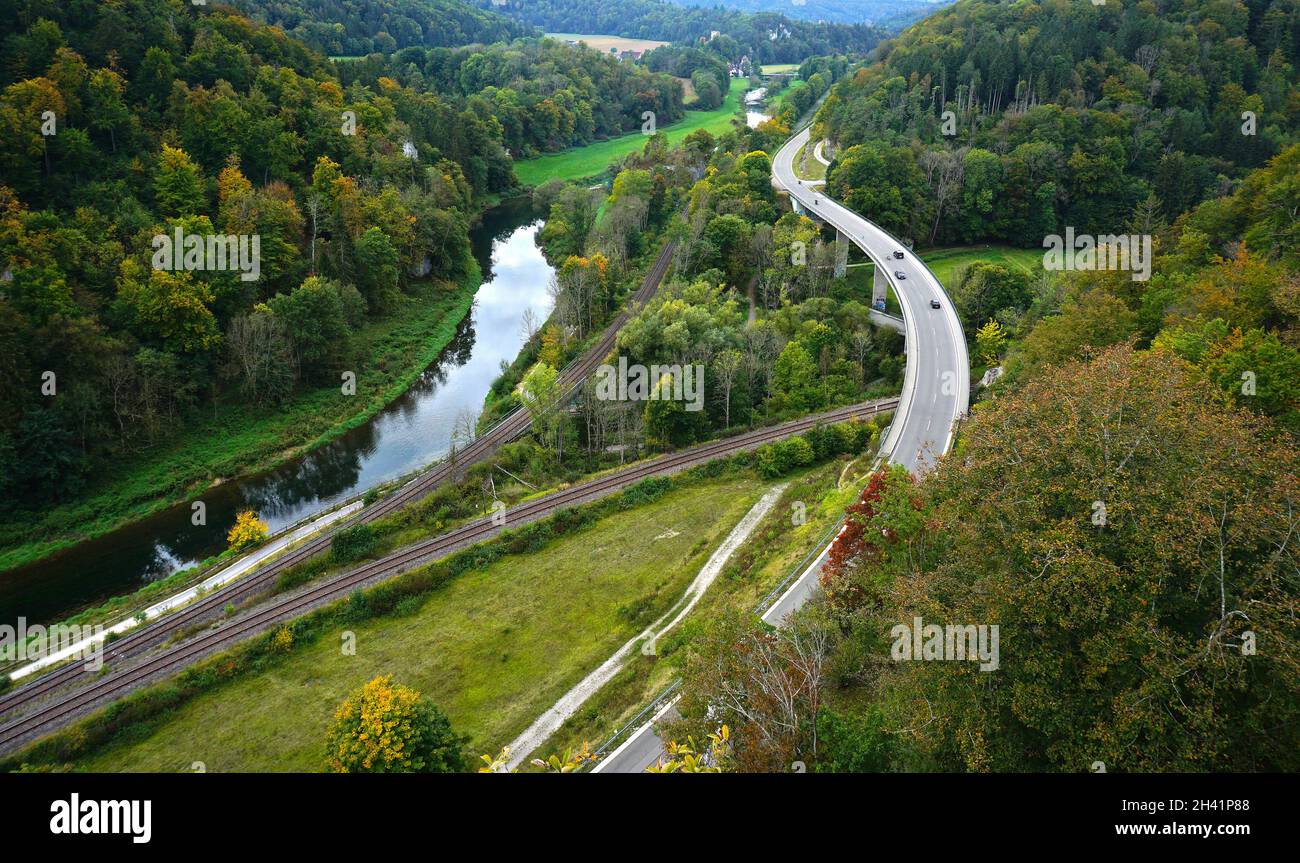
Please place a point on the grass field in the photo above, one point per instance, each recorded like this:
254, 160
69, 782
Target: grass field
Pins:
604, 43
244, 439
773, 550
946, 262
807, 165
779, 68
578, 163
494, 648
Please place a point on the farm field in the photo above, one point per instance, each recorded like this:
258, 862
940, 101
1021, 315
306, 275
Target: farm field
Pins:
605, 43
579, 163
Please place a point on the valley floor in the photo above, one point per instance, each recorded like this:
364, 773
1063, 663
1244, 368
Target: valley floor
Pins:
578, 163
494, 648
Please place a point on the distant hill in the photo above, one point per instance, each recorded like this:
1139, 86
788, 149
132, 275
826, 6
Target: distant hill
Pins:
893, 14
766, 37
348, 27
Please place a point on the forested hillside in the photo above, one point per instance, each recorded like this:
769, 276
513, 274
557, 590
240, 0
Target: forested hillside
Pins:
1063, 114
543, 94
122, 122
348, 27
1121, 506
763, 38
887, 13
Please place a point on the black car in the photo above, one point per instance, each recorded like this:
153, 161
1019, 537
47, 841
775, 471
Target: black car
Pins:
898, 253
934, 304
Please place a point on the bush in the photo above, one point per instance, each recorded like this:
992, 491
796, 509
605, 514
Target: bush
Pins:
766, 462
647, 490
409, 605
353, 543
796, 452
853, 744
389, 728
357, 608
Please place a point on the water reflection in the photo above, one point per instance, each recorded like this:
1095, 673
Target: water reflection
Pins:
753, 107
413, 431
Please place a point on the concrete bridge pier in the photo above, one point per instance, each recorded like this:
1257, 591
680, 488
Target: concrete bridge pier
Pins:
841, 255
879, 281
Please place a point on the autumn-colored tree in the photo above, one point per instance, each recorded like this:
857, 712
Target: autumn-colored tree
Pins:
1132, 535
765, 686
247, 530
236, 212
990, 340
173, 309
686, 757
882, 536
571, 760
389, 728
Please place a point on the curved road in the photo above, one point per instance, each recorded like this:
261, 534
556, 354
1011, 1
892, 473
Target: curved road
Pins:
936, 386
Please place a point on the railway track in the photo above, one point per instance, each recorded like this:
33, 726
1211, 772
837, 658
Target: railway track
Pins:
511, 427
59, 712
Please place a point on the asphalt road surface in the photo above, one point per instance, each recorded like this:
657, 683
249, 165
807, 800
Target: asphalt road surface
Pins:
936, 386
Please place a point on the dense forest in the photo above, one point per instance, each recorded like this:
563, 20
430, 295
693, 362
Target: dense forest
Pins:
128, 122
340, 27
1122, 506
1063, 114
174, 117
542, 94
1100, 144
763, 38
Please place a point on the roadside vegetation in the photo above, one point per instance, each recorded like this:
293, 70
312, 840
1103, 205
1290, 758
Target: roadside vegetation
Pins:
798, 524
806, 165
1129, 600
543, 590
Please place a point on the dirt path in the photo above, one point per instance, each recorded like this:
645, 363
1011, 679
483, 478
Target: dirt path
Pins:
546, 724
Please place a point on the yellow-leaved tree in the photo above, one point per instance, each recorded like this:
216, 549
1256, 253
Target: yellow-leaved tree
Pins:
247, 530
389, 728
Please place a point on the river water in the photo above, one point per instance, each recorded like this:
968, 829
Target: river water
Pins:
411, 432
753, 107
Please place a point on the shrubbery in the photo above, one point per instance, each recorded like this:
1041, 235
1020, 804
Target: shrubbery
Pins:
390, 728
353, 543
820, 442
646, 491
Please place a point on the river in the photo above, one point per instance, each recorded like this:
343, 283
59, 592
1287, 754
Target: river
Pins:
411, 432
753, 105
